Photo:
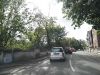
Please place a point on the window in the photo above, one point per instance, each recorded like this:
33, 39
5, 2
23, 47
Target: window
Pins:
57, 50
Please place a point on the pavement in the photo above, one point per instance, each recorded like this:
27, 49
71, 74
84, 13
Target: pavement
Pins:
79, 63
93, 52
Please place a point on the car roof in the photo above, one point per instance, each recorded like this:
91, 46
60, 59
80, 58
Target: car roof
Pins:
57, 47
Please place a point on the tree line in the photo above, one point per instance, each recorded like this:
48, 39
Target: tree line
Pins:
23, 28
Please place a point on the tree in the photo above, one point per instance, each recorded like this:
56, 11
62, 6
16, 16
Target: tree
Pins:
47, 30
10, 21
82, 44
39, 34
73, 43
58, 34
81, 11
54, 32
13, 21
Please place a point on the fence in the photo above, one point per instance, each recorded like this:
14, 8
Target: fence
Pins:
1, 56
8, 57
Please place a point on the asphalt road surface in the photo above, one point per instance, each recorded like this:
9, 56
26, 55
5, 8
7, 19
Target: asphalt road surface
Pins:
79, 63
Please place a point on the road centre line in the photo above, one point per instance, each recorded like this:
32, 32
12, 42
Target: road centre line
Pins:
71, 64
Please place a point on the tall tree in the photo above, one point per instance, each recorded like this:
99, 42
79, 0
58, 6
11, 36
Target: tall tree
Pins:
14, 20
81, 11
9, 20
39, 34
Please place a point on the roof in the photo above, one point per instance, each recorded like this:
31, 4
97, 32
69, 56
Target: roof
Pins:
57, 47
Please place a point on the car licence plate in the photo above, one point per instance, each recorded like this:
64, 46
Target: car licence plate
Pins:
56, 53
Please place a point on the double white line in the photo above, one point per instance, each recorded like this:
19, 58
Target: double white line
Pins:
71, 64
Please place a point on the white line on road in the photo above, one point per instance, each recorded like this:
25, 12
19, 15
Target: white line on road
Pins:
71, 65
15, 70
21, 70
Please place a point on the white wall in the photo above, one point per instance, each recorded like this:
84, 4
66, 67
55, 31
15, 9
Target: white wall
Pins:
7, 58
20, 56
1, 57
95, 41
23, 55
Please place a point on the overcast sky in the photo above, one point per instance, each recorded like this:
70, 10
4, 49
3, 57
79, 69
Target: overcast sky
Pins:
54, 9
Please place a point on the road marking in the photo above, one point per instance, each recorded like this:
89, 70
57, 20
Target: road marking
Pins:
21, 70
28, 67
71, 56
71, 65
15, 70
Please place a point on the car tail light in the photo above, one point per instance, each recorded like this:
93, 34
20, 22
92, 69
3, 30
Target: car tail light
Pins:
62, 54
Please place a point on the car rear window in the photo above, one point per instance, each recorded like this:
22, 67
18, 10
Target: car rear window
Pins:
56, 50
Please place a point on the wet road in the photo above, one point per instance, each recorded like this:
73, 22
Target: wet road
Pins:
79, 63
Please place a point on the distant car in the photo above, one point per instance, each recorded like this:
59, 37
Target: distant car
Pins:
68, 50
73, 50
57, 53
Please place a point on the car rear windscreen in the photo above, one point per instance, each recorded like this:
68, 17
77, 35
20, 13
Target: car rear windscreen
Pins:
56, 50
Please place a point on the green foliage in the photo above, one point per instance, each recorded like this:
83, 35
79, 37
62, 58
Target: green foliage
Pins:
10, 21
39, 33
72, 42
98, 32
48, 32
20, 44
21, 28
14, 20
54, 32
82, 11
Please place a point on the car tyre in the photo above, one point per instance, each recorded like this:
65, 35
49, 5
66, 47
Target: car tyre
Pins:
63, 60
51, 60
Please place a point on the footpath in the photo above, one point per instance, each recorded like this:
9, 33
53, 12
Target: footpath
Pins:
93, 52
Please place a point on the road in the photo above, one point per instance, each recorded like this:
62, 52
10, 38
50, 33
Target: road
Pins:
79, 63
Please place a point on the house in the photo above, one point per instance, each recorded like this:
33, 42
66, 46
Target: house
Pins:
92, 38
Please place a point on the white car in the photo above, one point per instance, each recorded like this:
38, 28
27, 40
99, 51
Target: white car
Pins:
57, 53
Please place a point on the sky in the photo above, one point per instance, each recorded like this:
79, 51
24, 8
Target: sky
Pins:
52, 8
